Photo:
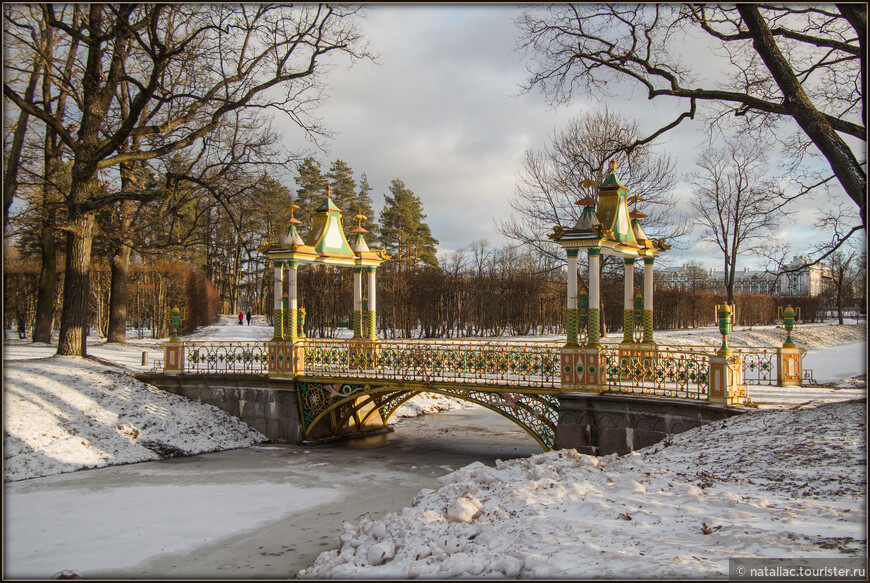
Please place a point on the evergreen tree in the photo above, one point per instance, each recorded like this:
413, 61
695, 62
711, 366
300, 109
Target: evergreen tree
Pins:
362, 205
404, 232
340, 178
310, 193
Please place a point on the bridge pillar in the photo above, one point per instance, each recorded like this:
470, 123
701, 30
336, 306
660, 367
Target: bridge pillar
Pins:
788, 369
282, 359
726, 370
584, 370
726, 380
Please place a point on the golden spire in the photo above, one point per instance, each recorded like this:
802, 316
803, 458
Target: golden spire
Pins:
613, 165
359, 228
293, 208
328, 191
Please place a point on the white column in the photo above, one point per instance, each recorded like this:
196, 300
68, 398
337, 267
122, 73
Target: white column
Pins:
594, 281
292, 293
357, 290
629, 286
572, 282
647, 285
279, 285
371, 291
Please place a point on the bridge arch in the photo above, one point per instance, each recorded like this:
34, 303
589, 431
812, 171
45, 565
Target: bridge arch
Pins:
353, 407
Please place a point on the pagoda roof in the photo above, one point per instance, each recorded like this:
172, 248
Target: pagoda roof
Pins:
326, 244
610, 226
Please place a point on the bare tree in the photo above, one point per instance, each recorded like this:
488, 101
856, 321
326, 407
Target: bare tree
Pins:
839, 273
551, 181
733, 202
795, 70
226, 58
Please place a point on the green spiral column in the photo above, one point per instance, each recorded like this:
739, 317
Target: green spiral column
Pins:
582, 314
285, 310
278, 323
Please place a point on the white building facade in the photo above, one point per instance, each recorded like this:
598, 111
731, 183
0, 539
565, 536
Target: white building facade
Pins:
801, 279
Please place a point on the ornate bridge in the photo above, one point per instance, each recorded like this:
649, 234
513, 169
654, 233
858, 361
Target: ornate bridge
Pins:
356, 383
359, 382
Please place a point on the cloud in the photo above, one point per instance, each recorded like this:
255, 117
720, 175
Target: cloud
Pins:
443, 111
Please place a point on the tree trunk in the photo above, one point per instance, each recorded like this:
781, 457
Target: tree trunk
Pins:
45, 293
120, 264
76, 285
13, 156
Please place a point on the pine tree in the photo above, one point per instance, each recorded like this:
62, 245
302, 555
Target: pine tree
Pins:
310, 192
404, 232
340, 178
362, 205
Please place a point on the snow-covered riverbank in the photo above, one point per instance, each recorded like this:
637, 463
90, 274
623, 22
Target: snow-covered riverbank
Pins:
766, 484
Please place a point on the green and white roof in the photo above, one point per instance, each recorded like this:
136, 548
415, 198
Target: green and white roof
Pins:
327, 244
610, 227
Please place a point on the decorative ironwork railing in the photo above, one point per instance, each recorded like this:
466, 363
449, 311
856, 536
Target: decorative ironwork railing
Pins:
759, 362
673, 371
226, 357
514, 364
664, 371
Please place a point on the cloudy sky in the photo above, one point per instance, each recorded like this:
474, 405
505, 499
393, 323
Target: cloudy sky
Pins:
442, 110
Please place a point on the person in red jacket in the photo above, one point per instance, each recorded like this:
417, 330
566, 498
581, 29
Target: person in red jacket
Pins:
241, 317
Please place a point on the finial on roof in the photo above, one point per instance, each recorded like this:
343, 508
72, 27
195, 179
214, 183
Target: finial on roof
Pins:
293, 208
328, 191
613, 165
359, 228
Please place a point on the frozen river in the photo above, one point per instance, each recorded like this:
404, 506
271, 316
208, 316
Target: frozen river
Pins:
261, 512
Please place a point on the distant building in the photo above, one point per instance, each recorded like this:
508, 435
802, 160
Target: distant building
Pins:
806, 281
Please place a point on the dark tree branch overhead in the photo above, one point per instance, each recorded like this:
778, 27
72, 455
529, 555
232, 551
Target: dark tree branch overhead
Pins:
182, 70
790, 63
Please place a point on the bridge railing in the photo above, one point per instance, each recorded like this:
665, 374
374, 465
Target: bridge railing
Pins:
760, 363
529, 364
665, 371
225, 357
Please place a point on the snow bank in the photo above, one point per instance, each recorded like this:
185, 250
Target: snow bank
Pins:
64, 414
427, 403
765, 484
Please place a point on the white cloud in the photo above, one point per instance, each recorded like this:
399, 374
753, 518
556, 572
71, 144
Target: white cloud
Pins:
443, 111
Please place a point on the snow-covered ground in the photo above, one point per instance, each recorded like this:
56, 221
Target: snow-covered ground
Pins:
767, 484
771, 483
